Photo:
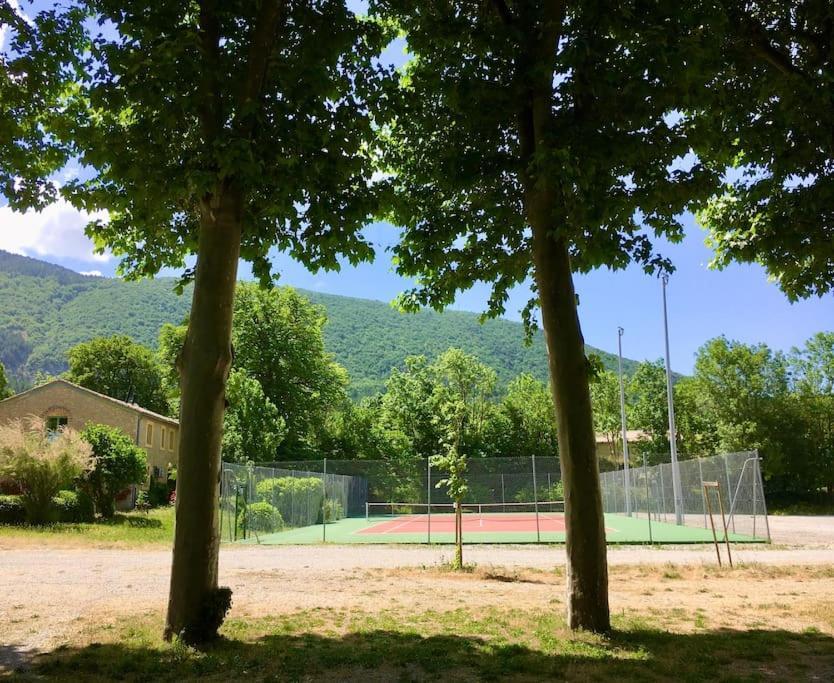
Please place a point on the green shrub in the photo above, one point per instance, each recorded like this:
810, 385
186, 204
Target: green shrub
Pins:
157, 493
12, 510
73, 506
119, 463
42, 463
333, 510
298, 499
261, 517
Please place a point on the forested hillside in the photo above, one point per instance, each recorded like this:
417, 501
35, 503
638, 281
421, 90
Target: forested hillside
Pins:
46, 309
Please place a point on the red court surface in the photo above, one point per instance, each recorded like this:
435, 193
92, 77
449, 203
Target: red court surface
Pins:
472, 523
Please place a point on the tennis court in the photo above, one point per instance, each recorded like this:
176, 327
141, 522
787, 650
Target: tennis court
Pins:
519, 502
495, 528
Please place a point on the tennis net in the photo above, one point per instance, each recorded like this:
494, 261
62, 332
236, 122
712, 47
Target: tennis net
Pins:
512, 511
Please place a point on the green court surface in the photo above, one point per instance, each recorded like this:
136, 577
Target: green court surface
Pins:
619, 529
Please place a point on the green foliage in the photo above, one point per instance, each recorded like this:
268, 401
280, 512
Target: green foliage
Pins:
42, 463
648, 408
605, 400
33, 80
465, 162
332, 510
253, 428
73, 506
157, 493
261, 517
293, 497
12, 510
121, 368
45, 310
118, 464
278, 341
768, 72
5, 389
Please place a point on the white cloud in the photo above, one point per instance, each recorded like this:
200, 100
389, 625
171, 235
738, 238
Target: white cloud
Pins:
92, 273
58, 230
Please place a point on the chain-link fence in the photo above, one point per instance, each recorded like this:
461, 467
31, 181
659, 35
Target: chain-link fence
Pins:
258, 500
261, 500
651, 493
489, 480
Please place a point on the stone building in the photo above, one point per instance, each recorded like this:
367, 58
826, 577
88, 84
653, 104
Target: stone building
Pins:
64, 404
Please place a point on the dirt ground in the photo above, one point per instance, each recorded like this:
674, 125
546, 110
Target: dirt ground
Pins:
50, 593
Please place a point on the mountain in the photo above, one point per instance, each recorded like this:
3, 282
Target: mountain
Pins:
46, 309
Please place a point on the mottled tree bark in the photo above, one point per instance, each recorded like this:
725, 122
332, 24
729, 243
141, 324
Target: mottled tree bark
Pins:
206, 361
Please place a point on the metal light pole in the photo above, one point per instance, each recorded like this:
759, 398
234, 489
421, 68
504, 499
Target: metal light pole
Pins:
673, 435
626, 477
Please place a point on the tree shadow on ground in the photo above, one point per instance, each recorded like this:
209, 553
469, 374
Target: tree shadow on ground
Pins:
382, 655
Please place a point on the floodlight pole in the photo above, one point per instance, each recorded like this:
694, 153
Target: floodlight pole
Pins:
626, 477
673, 435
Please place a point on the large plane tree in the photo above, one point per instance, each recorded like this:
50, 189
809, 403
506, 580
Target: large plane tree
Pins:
538, 140
221, 130
769, 112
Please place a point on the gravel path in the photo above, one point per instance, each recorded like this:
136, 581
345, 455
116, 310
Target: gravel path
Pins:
46, 592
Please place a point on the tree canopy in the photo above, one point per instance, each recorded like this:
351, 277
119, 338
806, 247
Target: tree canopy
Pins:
121, 368
767, 113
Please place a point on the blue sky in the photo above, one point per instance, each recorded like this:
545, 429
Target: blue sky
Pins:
738, 302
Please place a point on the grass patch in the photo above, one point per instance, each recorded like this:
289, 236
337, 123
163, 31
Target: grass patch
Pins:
125, 528
436, 645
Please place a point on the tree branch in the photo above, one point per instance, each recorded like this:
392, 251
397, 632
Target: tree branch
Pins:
260, 49
210, 104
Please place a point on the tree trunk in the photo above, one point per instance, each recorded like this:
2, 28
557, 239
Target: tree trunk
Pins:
587, 569
196, 606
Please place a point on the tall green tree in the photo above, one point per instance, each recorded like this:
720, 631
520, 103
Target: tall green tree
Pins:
605, 399
529, 420
812, 380
766, 112
5, 389
121, 368
240, 127
649, 409
252, 426
278, 340
531, 140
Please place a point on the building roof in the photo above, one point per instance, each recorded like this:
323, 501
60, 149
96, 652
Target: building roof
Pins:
131, 406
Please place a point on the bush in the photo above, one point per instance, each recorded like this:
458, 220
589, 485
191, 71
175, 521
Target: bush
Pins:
119, 464
12, 510
157, 493
333, 510
261, 517
73, 506
298, 499
42, 463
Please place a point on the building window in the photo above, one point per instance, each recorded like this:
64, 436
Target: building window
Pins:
170, 439
149, 434
163, 441
55, 422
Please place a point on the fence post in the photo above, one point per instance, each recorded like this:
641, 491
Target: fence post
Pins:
324, 504
761, 488
503, 500
729, 488
536, 499
662, 492
428, 497
701, 477
648, 499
